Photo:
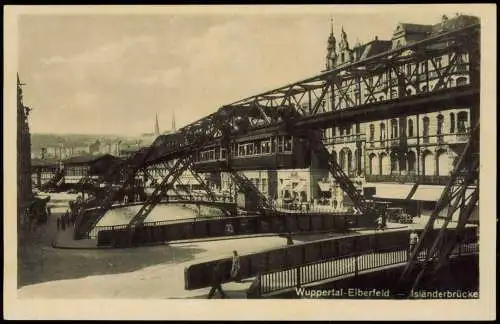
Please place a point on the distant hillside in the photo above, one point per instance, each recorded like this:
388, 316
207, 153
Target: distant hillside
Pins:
74, 140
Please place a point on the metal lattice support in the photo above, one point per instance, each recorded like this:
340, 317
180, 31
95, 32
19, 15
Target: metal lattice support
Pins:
247, 186
454, 198
339, 175
208, 190
174, 173
53, 182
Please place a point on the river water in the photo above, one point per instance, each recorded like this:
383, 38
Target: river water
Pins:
123, 215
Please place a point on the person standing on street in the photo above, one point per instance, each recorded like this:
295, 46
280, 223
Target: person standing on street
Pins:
413, 242
380, 223
217, 282
235, 267
58, 224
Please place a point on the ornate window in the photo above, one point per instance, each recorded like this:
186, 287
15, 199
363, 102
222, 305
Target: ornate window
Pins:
452, 123
410, 128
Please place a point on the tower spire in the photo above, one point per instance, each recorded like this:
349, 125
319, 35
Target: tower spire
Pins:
157, 126
331, 53
173, 121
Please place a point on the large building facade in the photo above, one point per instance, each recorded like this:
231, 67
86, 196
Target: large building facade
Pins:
396, 152
413, 145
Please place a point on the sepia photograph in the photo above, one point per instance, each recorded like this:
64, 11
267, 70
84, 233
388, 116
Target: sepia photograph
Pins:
179, 155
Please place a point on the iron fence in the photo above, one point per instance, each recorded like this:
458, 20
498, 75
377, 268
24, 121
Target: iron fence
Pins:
344, 266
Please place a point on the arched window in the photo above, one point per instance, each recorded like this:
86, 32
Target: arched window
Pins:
372, 132
410, 127
384, 164
374, 167
411, 161
440, 120
334, 156
349, 160
394, 128
342, 158
426, 126
382, 131
452, 123
462, 121
428, 163
394, 162
444, 164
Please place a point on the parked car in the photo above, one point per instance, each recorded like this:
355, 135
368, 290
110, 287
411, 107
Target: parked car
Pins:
405, 218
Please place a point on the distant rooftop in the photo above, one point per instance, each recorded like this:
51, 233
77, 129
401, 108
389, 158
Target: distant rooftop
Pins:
82, 159
44, 162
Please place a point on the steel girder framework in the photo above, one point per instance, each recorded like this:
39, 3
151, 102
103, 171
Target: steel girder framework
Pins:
56, 178
406, 67
122, 173
170, 165
299, 101
160, 191
343, 180
459, 196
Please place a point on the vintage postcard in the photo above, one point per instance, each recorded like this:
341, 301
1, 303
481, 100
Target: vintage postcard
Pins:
321, 160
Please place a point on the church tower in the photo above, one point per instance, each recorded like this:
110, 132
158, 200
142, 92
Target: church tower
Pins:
173, 122
345, 52
331, 55
157, 127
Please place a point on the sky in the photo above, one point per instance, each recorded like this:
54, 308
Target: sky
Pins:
111, 73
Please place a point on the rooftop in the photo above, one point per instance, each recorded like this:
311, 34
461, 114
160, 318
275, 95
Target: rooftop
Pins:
44, 162
82, 159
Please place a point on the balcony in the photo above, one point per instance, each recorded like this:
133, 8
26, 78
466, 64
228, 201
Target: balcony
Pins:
345, 139
409, 178
443, 139
393, 142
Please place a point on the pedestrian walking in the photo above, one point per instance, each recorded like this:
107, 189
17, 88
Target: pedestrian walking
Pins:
63, 226
217, 282
49, 212
380, 223
235, 267
58, 224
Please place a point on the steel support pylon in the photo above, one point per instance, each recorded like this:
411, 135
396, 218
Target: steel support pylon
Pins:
455, 198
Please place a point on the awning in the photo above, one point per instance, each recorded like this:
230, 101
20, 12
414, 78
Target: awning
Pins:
428, 193
324, 186
392, 191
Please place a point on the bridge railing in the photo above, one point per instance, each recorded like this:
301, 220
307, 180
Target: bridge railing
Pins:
345, 266
281, 223
95, 231
291, 256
